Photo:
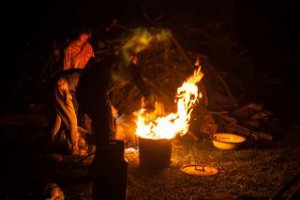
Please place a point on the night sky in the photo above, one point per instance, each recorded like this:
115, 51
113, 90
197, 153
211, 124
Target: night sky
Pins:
45, 20
267, 28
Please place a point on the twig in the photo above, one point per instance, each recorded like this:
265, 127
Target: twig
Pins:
218, 76
122, 27
218, 113
181, 51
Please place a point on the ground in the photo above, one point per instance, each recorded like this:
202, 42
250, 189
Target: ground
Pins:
248, 173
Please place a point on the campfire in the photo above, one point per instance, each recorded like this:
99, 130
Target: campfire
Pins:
155, 125
155, 130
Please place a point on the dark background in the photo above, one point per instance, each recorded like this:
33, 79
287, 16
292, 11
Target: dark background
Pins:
269, 29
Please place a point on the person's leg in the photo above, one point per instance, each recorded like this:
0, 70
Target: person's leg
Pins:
103, 163
67, 113
81, 118
100, 127
80, 114
71, 122
55, 128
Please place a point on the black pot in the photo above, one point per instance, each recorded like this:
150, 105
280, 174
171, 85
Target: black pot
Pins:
155, 154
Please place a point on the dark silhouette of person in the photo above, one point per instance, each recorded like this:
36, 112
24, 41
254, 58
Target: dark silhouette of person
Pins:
93, 99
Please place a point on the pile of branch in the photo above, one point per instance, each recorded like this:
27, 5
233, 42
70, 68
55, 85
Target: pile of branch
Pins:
246, 121
164, 68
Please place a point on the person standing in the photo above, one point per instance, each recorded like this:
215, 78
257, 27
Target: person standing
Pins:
76, 56
79, 51
92, 93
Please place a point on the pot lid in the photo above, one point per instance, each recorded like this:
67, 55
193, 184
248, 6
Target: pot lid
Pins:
198, 170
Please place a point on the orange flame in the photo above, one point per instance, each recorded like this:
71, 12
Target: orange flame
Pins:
153, 126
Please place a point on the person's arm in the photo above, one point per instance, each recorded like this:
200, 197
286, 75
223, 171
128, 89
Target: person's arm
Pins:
140, 83
137, 78
86, 49
86, 53
92, 51
67, 60
77, 58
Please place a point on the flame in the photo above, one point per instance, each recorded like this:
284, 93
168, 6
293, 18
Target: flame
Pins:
156, 126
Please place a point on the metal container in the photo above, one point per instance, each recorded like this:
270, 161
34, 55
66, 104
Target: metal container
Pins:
155, 154
227, 141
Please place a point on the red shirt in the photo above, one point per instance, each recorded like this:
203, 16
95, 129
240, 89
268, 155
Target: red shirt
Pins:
77, 55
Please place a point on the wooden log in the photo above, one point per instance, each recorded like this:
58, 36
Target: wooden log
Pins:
255, 135
228, 119
231, 126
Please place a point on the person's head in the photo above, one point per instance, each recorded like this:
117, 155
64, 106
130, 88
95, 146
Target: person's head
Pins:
84, 34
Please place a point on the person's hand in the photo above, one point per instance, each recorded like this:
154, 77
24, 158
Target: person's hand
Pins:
84, 46
87, 50
149, 102
134, 59
62, 84
197, 62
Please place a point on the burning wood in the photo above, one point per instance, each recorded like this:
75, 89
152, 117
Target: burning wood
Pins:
155, 126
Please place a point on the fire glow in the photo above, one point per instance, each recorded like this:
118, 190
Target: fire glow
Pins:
154, 126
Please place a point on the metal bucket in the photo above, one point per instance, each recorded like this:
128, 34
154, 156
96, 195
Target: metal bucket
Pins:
155, 154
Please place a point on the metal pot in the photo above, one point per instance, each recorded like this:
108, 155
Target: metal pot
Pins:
227, 141
155, 154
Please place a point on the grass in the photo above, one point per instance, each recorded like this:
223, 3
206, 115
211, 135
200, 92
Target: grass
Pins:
255, 173
248, 173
